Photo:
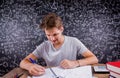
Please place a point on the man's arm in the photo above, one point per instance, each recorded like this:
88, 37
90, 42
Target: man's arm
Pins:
33, 69
90, 58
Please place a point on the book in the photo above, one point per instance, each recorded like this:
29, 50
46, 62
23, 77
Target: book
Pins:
115, 75
113, 66
100, 69
79, 72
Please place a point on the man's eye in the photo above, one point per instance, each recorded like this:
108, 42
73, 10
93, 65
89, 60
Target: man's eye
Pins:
48, 35
55, 34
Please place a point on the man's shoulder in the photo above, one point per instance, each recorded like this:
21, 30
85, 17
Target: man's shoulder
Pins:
71, 38
44, 43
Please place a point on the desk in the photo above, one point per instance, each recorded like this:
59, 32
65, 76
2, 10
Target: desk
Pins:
100, 75
19, 71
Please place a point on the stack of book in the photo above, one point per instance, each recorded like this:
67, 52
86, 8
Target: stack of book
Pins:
114, 69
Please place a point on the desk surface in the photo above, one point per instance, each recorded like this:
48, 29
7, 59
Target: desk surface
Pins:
15, 71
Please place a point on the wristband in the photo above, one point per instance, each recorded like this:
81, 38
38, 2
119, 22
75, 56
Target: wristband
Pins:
78, 63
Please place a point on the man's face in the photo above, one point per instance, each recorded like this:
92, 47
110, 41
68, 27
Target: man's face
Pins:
54, 35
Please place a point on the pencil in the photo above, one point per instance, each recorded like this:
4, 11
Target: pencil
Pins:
19, 75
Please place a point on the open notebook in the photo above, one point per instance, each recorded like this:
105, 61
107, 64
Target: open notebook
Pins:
79, 72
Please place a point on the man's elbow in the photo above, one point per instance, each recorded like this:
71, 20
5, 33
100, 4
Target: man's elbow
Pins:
21, 64
96, 59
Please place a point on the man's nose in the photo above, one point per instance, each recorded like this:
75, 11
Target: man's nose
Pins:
52, 38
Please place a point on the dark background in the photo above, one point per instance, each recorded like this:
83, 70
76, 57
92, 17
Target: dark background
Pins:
95, 22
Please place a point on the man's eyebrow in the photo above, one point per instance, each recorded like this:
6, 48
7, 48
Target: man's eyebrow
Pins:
47, 34
53, 34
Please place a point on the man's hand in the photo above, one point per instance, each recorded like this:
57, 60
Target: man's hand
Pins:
36, 70
69, 64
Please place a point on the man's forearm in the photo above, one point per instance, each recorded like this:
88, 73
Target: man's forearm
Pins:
87, 61
25, 64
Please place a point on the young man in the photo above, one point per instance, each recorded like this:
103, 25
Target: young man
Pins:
58, 50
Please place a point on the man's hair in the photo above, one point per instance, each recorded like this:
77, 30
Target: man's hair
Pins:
51, 20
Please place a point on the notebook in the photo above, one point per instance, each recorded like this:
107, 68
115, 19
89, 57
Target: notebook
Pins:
79, 72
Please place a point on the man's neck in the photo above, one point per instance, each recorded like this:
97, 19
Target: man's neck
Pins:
58, 45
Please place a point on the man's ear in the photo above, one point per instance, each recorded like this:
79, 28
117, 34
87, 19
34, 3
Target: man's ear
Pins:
61, 28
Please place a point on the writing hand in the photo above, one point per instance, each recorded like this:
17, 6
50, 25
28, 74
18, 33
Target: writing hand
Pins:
36, 70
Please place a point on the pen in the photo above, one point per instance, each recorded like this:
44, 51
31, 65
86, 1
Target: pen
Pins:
18, 75
33, 61
53, 73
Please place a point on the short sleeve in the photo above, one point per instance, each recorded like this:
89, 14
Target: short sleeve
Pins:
39, 50
81, 48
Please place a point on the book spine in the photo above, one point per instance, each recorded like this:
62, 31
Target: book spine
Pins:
115, 74
110, 76
110, 70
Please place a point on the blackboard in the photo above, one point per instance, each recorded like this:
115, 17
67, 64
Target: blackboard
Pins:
95, 22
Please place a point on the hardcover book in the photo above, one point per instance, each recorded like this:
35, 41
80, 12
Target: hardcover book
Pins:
113, 74
113, 66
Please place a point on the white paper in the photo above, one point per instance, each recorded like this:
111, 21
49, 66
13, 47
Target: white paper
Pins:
79, 72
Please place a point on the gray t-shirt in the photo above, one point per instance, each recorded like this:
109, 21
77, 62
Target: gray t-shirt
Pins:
69, 50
